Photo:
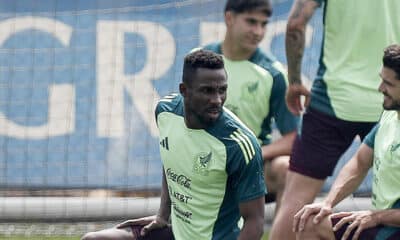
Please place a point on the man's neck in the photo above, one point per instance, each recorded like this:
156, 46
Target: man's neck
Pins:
192, 122
233, 52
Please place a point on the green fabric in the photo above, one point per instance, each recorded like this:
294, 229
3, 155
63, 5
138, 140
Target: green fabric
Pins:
370, 138
355, 34
386, 167
319, 1
209, 172
256, 94
387, 231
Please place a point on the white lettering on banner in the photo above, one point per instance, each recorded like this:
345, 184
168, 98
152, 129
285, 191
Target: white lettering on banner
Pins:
215, 31
61, 110
111, 79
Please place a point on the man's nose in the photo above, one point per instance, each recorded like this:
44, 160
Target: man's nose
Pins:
259, 30
217, 98
381, 87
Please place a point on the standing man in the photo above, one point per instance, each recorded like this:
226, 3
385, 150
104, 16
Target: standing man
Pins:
343, 102
212, 164
380, 150
257, 87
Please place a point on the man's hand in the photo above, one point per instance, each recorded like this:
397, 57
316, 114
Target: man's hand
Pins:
320, 210
359, 220
150, 222
293, 98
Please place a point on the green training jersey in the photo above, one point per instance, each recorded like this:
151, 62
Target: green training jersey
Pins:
355, 35
384, 138
209, 172
256, 93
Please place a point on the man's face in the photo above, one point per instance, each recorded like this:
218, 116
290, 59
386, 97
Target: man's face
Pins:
247, 29
204, 96
390, 87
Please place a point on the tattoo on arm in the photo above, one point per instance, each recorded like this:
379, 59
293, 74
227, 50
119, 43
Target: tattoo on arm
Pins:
301, 13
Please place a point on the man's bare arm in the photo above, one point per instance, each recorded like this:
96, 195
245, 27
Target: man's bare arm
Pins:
300, 14
253, 215
165, 204
280, 147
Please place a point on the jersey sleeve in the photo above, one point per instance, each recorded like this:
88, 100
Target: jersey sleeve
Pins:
370, 138
168, 103
284, 119
319, 1
246, 171
158, 110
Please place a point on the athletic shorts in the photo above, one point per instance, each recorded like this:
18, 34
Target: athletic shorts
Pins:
321, 141
157, 234
375, 233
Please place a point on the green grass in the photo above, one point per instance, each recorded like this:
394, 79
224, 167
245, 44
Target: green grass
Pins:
265, 237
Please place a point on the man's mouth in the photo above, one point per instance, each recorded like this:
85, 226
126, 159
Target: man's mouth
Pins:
214, 110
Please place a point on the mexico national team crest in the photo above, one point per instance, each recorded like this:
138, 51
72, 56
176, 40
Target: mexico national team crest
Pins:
202, 163
249, 90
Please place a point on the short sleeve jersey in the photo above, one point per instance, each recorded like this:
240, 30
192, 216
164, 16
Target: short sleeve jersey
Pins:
209, 172
256, 93
384, 138
354, 36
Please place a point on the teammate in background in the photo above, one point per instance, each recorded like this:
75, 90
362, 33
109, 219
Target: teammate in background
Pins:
379, 150
212, 164
344, 101
257, 87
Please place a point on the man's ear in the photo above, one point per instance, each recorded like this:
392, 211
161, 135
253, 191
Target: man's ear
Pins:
228, 16
182, 89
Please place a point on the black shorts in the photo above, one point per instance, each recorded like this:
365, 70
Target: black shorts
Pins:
321, 142
375, 233
157, 234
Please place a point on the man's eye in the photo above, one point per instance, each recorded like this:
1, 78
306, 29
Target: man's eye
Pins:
207, 90
251, 22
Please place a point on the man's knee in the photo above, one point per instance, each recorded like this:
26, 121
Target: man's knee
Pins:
89, 236
275, 171
321, 230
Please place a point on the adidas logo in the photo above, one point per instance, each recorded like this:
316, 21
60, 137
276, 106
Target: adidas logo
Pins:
164, 143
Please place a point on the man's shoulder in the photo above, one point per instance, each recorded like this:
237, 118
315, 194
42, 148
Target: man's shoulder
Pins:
230, 127
238, 139
388, 116
170, 103
268, 62
214, 47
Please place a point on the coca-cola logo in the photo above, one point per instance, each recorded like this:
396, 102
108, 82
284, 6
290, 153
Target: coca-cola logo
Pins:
178, 178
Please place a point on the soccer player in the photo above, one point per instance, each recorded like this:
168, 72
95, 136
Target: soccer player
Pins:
344, 101
380, 150
212, 164
257, 87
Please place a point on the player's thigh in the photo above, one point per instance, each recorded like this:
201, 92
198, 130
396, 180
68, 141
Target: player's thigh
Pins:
110, 234
156, 234
321, 142
277, 168
300, 188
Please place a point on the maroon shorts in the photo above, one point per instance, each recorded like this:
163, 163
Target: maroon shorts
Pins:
157, 234
375, 233
321, 141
